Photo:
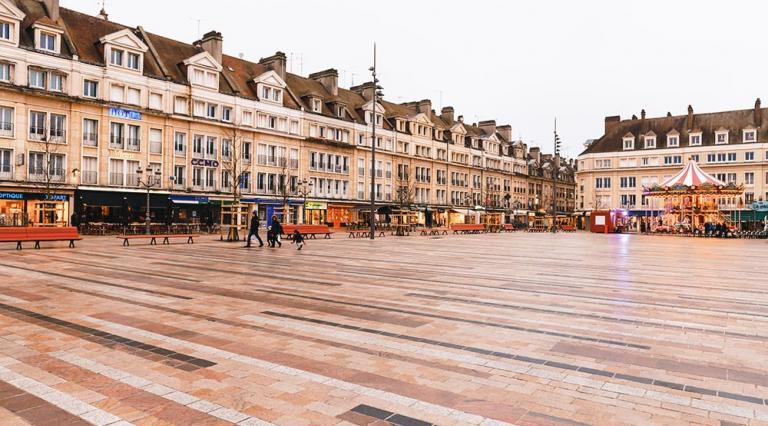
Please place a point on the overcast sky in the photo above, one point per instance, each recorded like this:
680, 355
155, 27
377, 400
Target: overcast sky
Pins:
519, 62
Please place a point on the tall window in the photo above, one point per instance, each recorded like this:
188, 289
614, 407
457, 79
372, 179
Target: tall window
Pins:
116, 57
180, 143
36, 78
90, 132
155, 141
37, 125
178, 175
133, 61
90, 88
116, 135
6, 72
134, 137
6, 121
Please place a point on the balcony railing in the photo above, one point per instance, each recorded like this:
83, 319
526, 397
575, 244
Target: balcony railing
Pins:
41, 174
294, 163
90, 139
132, 179
133, 144
210, 185
211, 155
179, 182
6, 171
261, 159
116, 179
6, 128
88, 178
36, 133
116, 141
58, 135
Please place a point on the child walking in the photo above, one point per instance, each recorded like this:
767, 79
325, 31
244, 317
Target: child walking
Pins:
298, 239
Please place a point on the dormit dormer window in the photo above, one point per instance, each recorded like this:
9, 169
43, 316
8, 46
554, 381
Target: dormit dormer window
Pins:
628, 143
341, 111
271, 94
317, 105
6, 31
721, 137
47, 36
673, 139
694, 139
650, 141
46, 41
10, 20
750, 135
123, 49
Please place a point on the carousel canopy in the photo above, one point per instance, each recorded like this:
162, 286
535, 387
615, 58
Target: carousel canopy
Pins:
692, 180
692, 175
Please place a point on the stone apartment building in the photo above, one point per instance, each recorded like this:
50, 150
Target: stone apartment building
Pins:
86, 103
643, 152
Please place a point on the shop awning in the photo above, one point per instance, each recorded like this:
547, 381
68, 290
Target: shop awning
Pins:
115, 199
188, 199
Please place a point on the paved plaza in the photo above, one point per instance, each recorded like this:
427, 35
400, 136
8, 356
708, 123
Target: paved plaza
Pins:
527, 329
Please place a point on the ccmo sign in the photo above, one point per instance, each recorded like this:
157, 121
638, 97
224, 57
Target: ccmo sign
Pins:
206, 163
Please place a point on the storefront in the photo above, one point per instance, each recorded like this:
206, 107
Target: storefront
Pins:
457, 216
272, 207
339, 215
120, 207
315, 212
34, 209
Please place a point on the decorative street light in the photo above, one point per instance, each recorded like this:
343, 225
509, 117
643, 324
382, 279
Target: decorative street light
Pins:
151, 180
555, 171
304, 189
376, 95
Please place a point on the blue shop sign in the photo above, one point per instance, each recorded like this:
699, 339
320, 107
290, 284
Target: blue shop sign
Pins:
32, 196
760, 206
124, 113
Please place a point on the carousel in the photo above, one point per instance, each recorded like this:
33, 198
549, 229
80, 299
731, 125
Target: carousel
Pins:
690, 200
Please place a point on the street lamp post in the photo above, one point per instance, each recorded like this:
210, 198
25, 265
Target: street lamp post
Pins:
376, 95
148, 183
555, 170
304, 189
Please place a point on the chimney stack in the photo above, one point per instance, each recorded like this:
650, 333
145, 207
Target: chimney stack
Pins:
506, 132
611, 123
425, 106
365, 90
276, 63
689, 123
535, 153
642, 114
329, 79
669, 114
461, 119
758, 113
212, 42
488, 126
52, 8
447, 114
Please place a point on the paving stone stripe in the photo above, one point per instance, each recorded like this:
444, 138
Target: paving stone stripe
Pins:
71, 405
527, 359
175, 359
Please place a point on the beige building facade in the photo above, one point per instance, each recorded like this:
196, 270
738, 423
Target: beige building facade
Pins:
91, 111
643, 152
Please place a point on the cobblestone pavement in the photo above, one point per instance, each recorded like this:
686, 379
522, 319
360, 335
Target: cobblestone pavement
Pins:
527, 329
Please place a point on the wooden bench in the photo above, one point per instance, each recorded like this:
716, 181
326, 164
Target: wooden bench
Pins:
508, 227
568, 228
433, 231
18, 234
467, 228
364, 233
153, 238
310, 230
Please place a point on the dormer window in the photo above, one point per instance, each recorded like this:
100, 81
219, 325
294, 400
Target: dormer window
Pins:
750, 136
673, 141
340, 111
650, 142
116, 57
6, 31
721, 137
133, 61
271, 94
47, 41
205, 78
317, 105
629, 144
694, 139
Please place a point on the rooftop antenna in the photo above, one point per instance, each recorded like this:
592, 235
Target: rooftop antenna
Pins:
441, 99
353, 79
103, 13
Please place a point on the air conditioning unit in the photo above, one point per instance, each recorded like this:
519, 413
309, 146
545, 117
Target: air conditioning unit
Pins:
20, 159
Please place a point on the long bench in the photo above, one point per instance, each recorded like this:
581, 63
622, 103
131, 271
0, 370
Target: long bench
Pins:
153, 238
508, 227
364, 233
467, 228
309, 230
433, 231
18, 235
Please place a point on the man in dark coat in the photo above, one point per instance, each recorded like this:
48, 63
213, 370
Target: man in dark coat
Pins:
276, 231
254, 230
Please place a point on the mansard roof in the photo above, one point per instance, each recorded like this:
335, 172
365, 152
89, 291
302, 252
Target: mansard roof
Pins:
706, 124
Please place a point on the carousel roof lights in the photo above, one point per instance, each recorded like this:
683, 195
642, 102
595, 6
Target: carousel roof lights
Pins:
692, 179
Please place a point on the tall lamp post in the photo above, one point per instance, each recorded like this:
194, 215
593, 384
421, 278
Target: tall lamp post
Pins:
304, 189
555, 170
376, 95
149, 181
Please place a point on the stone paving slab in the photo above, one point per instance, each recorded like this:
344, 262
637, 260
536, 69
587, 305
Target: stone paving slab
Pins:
526, 329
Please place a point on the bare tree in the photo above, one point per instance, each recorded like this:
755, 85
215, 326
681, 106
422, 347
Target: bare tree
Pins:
236, 156
405, 191
286, 186
46, 168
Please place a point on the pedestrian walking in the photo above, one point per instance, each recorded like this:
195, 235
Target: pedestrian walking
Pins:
276, 230
254, 230
298, 239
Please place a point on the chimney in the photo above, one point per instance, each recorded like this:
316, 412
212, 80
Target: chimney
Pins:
506, 132
642, 114
52, 8
689, 123
447, 114
669, 114
425, 106
329, 79
212, 43
634, 117
461, 119
365, 90
535, 153
276, 63
611, 123
487, 126
103, 14
758, 113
